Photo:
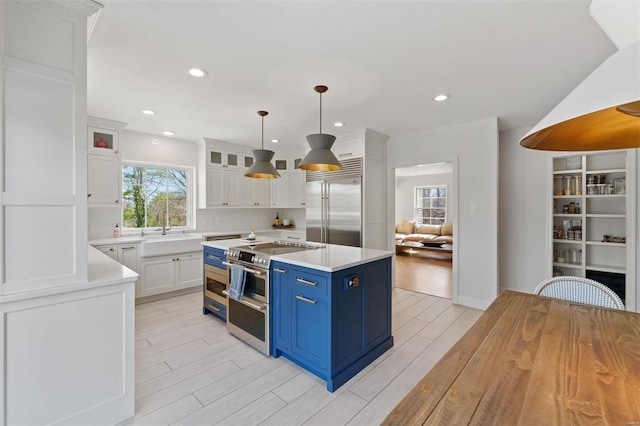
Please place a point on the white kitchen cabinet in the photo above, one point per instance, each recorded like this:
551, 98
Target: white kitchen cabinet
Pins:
125, 254
103, 180
223, 158
109, 250
157, 276
128, 256
102, 141
298, 189
224, 187
280, 191
189, 270
165, 274
257, 192
293, 236
598, 241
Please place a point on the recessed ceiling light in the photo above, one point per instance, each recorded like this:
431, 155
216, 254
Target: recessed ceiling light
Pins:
148, 112
441, 98
420, 165
275, 140
338, 124
196, 72
168, 133
155, 142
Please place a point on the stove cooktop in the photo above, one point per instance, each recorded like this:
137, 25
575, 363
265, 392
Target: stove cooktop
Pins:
260, 254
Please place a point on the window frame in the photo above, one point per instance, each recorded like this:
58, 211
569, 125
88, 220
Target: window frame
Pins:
431, 217
189, 201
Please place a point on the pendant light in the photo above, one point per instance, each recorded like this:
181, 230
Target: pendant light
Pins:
262, 167
320, 158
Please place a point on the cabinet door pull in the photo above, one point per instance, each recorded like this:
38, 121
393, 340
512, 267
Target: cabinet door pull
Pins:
210, 256
303, 281
213, 308
127, 248
293, 238
304, 299
282, 271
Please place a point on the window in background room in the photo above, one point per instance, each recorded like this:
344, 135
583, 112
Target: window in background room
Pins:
431, 205
153, 195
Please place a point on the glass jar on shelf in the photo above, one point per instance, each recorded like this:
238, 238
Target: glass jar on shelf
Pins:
568, 185
575, 256
577, 185
558, 185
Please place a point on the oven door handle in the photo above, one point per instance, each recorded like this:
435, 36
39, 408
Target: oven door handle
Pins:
249, 304
249, 270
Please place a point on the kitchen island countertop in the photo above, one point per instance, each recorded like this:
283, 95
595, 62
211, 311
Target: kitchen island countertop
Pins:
330, 258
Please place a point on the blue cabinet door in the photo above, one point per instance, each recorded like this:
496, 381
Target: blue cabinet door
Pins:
280, 293
310, 328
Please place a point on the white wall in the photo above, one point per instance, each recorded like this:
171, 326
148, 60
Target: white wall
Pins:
522, 212
473, 148
244, 219
405, 196
135, 146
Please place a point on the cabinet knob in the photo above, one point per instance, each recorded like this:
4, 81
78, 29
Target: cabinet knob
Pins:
117, 201
89, 195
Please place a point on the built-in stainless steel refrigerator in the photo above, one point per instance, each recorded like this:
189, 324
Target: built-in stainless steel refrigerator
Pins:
334, 208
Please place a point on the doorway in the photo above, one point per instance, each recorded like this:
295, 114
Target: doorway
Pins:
424, 202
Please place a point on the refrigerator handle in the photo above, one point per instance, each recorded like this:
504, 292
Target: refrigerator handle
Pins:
322, 212
327, 210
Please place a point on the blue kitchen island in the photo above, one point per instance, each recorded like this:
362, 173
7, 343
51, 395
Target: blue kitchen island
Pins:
330, 308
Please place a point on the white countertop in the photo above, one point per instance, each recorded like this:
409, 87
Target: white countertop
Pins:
102, 271
330, 258
130, 238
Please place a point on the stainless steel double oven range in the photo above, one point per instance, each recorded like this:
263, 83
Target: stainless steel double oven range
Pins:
249, 319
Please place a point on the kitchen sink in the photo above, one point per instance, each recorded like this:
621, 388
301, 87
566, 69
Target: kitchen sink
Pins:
170, 244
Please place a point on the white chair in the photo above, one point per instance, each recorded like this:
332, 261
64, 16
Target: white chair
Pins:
581, 290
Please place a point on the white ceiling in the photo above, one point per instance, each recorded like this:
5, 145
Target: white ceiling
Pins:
383, 62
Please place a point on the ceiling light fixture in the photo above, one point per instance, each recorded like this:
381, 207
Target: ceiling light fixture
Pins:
196, 72
168, 133
275, 140
262, 167
148, 112
338, 124
441, 98
320, 158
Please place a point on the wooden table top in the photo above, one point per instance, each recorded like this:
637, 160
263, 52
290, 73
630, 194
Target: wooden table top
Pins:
532, 360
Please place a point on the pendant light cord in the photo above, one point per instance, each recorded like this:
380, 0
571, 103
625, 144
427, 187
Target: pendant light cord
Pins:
263, 132
320, 113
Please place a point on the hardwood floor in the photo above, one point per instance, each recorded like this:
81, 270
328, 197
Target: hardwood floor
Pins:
422, 274
190, 371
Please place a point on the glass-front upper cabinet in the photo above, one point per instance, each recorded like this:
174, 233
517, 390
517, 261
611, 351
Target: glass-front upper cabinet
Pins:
102, 141
221, 158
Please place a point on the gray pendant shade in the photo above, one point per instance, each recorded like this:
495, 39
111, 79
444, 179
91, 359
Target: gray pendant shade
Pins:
262, 167
320, 158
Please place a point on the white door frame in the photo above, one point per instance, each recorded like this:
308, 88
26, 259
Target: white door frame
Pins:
453, 214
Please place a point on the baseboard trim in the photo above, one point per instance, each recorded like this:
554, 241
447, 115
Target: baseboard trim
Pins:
473, 303
155, 297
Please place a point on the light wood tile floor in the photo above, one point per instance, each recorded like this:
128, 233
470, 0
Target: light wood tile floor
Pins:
190, 371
